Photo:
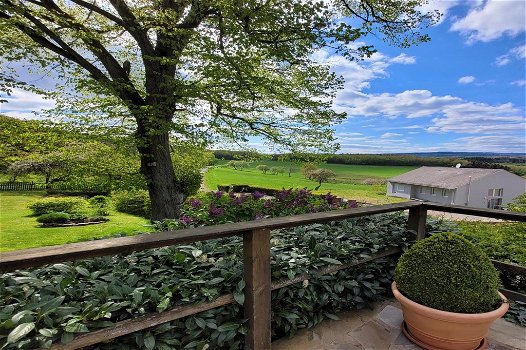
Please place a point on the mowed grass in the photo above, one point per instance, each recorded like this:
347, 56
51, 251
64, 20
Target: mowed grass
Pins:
355, 177
20, 230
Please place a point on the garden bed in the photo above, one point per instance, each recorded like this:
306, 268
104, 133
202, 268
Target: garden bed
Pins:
79, 222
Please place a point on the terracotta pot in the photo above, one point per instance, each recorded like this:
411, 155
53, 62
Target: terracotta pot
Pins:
437, 329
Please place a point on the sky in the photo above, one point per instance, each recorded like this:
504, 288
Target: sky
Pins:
464, 91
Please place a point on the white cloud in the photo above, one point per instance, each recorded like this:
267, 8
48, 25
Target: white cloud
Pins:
390, 135
518, 52
489, 20
22, 104
491, 143
410, 103
519, 83
403, 59
449, 113
466, 80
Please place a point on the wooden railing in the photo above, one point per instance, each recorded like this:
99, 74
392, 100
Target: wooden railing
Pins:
256, 263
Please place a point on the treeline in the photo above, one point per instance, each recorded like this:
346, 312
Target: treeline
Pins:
359, 159
394, 159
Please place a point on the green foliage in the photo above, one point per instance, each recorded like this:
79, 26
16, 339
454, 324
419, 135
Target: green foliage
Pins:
238, 164
100, 204
501, 241
447, 272
518, 204
57, 204
263, 168
54, 218
133, 202
64, 300
220, 207
394, 159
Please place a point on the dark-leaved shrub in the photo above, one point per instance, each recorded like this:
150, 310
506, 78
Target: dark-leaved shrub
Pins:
54, 218
57, 204
447, 272
133, 202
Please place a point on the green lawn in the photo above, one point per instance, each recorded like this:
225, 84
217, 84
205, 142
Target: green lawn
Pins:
19, 230
353, 177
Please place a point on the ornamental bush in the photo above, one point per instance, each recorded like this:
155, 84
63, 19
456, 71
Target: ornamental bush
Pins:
54, 218
447, 272
135, 202
223, 207
57, 204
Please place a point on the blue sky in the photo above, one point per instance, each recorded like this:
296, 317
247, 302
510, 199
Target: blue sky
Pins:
463, 91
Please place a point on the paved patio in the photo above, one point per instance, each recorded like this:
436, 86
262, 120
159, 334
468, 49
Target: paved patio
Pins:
379, 329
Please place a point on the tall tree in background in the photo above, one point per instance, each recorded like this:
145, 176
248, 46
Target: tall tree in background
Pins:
193, 68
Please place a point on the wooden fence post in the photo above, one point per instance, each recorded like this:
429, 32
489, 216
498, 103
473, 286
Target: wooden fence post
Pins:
256, 265
417, 221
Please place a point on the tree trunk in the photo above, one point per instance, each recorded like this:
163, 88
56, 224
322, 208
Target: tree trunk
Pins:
157, 168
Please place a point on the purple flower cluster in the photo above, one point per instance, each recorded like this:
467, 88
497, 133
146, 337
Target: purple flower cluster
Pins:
186, 220
195, 203
258, 195
215, 211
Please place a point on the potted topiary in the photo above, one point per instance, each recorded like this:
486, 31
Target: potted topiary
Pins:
448, 289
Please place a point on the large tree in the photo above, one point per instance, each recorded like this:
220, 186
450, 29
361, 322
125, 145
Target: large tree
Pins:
193, 68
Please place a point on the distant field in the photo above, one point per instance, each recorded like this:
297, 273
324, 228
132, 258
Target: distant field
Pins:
19, 230
360, 182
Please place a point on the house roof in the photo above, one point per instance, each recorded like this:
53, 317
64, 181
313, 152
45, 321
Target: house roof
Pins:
449, 178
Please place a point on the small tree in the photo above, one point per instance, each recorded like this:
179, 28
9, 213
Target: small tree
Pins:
308, 169
322, 175
47, 167
263, 168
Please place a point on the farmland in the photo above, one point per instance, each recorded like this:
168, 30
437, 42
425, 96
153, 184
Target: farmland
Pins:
364, 183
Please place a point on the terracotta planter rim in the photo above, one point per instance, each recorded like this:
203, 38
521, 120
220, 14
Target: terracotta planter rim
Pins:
447, 315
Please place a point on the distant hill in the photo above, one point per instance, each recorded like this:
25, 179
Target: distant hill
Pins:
466, 154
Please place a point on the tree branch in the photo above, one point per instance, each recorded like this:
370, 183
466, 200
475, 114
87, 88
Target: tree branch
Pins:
129, 21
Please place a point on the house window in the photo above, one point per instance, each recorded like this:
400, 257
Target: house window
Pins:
495, 203
444, 193
495, 192
400, 188
433, 191
422, 189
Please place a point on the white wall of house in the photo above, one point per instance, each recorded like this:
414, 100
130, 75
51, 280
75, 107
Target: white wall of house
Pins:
512, 186
503, 185
434, 194
398, 190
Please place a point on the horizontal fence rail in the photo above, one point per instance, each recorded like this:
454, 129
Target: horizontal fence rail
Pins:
256, 263
39, 186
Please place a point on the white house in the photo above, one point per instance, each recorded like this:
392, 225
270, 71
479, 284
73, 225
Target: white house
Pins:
479, 188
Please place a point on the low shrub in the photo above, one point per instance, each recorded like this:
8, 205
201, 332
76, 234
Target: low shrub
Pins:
100, 205
54, 218
133, 202
447, 272
57, 204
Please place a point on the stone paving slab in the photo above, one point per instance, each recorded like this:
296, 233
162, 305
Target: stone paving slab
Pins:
379, 329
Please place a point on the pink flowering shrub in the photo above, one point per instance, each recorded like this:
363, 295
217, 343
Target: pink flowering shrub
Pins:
220, 207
